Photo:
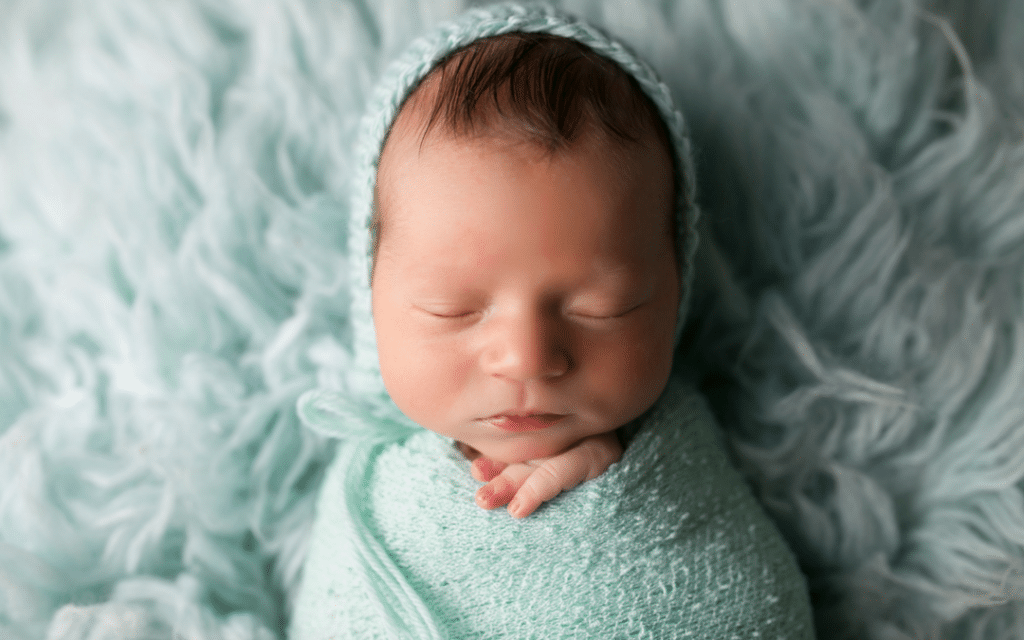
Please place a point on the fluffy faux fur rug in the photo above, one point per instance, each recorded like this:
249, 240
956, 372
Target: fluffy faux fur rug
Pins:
172, 196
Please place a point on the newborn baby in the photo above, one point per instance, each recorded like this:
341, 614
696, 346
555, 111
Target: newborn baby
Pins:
520, 244
525, 285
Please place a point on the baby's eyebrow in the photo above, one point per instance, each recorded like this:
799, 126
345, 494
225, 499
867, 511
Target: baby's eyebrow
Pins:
619, 272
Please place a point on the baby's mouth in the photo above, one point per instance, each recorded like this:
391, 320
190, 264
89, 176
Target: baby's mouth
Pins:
520, 423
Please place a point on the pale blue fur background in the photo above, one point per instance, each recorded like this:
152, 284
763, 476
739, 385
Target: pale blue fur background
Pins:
172, 203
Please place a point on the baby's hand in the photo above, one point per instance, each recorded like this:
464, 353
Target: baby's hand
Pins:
523, 486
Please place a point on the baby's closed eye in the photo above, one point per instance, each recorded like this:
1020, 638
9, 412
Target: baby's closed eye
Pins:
611, 313
449, 313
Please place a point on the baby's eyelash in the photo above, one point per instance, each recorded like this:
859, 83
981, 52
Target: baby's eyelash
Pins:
450, 316
609, 317
466, 314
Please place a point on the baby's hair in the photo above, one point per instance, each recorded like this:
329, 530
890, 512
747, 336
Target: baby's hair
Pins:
539, 88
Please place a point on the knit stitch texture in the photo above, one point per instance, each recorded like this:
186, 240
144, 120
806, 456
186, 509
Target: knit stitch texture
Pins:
668, 543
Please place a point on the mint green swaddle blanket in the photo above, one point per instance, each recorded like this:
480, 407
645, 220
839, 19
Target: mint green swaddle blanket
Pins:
667, 543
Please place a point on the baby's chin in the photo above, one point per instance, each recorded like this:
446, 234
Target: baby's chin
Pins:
523, 447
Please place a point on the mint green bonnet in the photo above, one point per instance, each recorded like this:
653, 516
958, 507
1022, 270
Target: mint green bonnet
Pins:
365, 397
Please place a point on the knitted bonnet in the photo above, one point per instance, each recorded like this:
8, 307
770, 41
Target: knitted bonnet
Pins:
366, 396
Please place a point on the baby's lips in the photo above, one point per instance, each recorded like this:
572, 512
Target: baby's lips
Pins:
516, 423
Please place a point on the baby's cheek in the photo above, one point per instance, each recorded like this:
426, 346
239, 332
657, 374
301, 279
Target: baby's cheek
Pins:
413, 380
443, 390
636, 375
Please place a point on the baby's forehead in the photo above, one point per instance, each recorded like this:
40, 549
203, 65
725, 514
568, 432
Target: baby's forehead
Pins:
623, 163
622, 182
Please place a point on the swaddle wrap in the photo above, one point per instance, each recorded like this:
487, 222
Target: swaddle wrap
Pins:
667, 543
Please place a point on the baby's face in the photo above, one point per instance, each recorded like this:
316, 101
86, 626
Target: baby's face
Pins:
509, 281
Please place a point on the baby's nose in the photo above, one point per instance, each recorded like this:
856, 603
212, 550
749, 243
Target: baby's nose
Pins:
527, 347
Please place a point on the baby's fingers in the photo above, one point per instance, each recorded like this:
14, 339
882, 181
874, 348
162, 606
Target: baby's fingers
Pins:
484, 469
542, 485
499, 491
565, 471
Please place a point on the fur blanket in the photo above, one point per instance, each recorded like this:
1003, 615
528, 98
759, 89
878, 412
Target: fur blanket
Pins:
173, 185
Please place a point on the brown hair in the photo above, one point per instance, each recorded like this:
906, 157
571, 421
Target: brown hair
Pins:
541, 88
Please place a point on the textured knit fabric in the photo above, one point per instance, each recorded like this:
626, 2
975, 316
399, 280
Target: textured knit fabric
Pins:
668, 543
382, 558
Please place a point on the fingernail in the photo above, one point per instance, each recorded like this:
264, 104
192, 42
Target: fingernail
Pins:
483, 497
515, 508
